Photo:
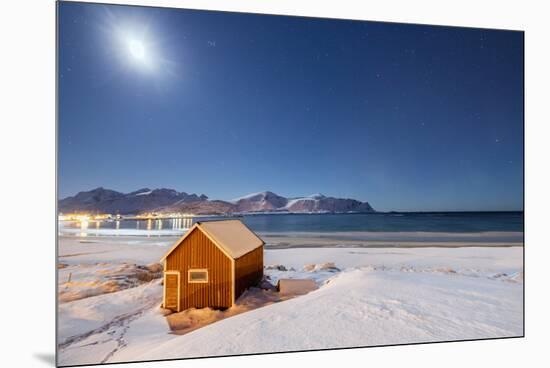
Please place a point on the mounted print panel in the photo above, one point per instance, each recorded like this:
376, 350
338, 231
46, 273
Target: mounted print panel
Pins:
234, 183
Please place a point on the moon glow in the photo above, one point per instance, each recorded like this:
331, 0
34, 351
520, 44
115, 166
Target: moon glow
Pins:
136, 49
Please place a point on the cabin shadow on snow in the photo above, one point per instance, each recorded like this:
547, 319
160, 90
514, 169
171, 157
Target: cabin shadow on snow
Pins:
257, 296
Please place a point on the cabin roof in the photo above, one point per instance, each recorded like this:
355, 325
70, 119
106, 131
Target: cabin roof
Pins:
232, 236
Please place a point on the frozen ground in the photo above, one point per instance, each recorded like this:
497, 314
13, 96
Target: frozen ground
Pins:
375, 297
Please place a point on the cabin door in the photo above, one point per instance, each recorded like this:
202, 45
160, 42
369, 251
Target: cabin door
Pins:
172, 290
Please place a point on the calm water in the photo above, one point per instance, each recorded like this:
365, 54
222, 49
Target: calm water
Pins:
432, 222
380, 222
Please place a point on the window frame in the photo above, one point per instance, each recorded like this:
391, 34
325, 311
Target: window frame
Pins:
190, 281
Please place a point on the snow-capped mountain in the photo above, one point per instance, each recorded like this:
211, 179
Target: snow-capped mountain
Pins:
269, 201
263, 201
101, 200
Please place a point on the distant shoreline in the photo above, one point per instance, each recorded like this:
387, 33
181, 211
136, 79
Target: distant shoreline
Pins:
134, 216
362, 239
374, 245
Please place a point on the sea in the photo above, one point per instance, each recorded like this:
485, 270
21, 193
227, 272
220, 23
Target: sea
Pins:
437, 222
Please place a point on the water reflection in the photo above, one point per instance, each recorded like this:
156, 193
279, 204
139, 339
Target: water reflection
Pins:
182, 223
83, 228
142, 227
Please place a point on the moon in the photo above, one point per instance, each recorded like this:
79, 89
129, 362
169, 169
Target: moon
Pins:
137, 50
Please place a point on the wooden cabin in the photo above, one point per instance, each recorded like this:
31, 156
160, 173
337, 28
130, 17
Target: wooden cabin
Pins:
211, 265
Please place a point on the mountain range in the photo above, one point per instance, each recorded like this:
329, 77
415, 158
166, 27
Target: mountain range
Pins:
101, 200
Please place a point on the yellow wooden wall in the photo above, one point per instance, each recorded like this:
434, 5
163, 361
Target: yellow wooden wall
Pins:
197, 251
249, 270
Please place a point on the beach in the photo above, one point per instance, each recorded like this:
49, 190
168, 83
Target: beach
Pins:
418, 239
378, 289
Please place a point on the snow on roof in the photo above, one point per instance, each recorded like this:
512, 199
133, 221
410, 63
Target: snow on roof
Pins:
232, 236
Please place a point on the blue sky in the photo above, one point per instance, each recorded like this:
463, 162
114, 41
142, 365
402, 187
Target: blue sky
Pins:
406, 117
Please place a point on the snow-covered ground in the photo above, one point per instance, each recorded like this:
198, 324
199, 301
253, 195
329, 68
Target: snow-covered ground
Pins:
376, 296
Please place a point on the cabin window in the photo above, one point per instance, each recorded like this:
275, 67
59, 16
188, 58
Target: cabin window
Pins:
198, 275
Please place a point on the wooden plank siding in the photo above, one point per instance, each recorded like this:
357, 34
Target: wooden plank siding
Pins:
171, 284
198, 251
249, 270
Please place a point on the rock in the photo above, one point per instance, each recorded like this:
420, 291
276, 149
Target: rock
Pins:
328, 266
277, 267
154, 267
265, 284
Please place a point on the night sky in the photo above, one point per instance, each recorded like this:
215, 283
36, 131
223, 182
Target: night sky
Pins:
406, 117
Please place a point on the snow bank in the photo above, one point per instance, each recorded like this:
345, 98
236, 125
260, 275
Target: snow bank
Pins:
363, 307
379, 296
80, 318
